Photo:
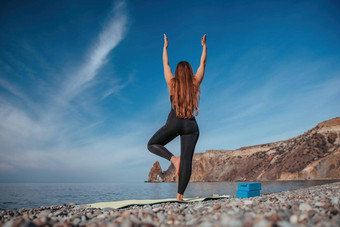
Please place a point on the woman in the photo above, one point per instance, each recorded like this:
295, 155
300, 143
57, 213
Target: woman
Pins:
184, 89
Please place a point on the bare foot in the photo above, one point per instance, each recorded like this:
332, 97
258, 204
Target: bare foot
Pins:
176, 161
179, 197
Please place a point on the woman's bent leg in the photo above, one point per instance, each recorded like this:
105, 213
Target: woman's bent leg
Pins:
163, 136
188, 143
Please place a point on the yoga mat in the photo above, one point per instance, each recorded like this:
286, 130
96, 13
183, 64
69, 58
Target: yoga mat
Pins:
127, 203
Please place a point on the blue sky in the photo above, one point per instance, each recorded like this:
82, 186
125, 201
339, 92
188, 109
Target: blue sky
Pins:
82, 88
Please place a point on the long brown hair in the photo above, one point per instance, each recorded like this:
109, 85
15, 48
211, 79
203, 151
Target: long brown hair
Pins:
185, 90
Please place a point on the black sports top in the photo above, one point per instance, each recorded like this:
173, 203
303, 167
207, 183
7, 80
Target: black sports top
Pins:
171, 97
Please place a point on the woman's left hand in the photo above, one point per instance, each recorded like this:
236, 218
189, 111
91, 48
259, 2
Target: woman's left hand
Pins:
165, 41
204, 40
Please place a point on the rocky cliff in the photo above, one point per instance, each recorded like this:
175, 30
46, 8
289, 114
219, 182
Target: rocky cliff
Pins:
312, 155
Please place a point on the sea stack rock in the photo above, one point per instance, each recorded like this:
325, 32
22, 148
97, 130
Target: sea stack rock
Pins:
155, 173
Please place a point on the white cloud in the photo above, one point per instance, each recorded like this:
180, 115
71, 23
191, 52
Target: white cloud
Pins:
5, 167
117, 87
17, 129
108, 39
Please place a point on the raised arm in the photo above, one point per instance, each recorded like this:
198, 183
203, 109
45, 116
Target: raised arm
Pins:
167, 70
201, 69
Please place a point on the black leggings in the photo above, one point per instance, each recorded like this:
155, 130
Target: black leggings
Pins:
189, 132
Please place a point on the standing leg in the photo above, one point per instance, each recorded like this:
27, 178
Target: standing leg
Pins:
163, 136
188, 143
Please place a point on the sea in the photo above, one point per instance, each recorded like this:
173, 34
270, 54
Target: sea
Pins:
15, 196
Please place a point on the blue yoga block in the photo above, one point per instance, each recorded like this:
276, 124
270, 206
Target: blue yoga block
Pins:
247, 194
251, 186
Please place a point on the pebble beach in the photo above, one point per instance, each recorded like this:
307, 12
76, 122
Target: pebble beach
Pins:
313, 206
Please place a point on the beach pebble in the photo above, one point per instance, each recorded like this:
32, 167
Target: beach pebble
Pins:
84, 218
82, 223
59, 212
38, 222
293, 219
274, 217
318, 204
248, 202
285, 224
76, 221
235, 223
335, 201
217, 206
127, 223
205, 224
102, 216
225, 219
44, 213
263, 223
8, 224
156, 209
191, 222
305, 207
311, 213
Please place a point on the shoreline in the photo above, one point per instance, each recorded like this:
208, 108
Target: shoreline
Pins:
281, 180
313, 206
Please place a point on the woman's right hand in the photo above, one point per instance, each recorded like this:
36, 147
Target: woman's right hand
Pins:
165, 41
203, 40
